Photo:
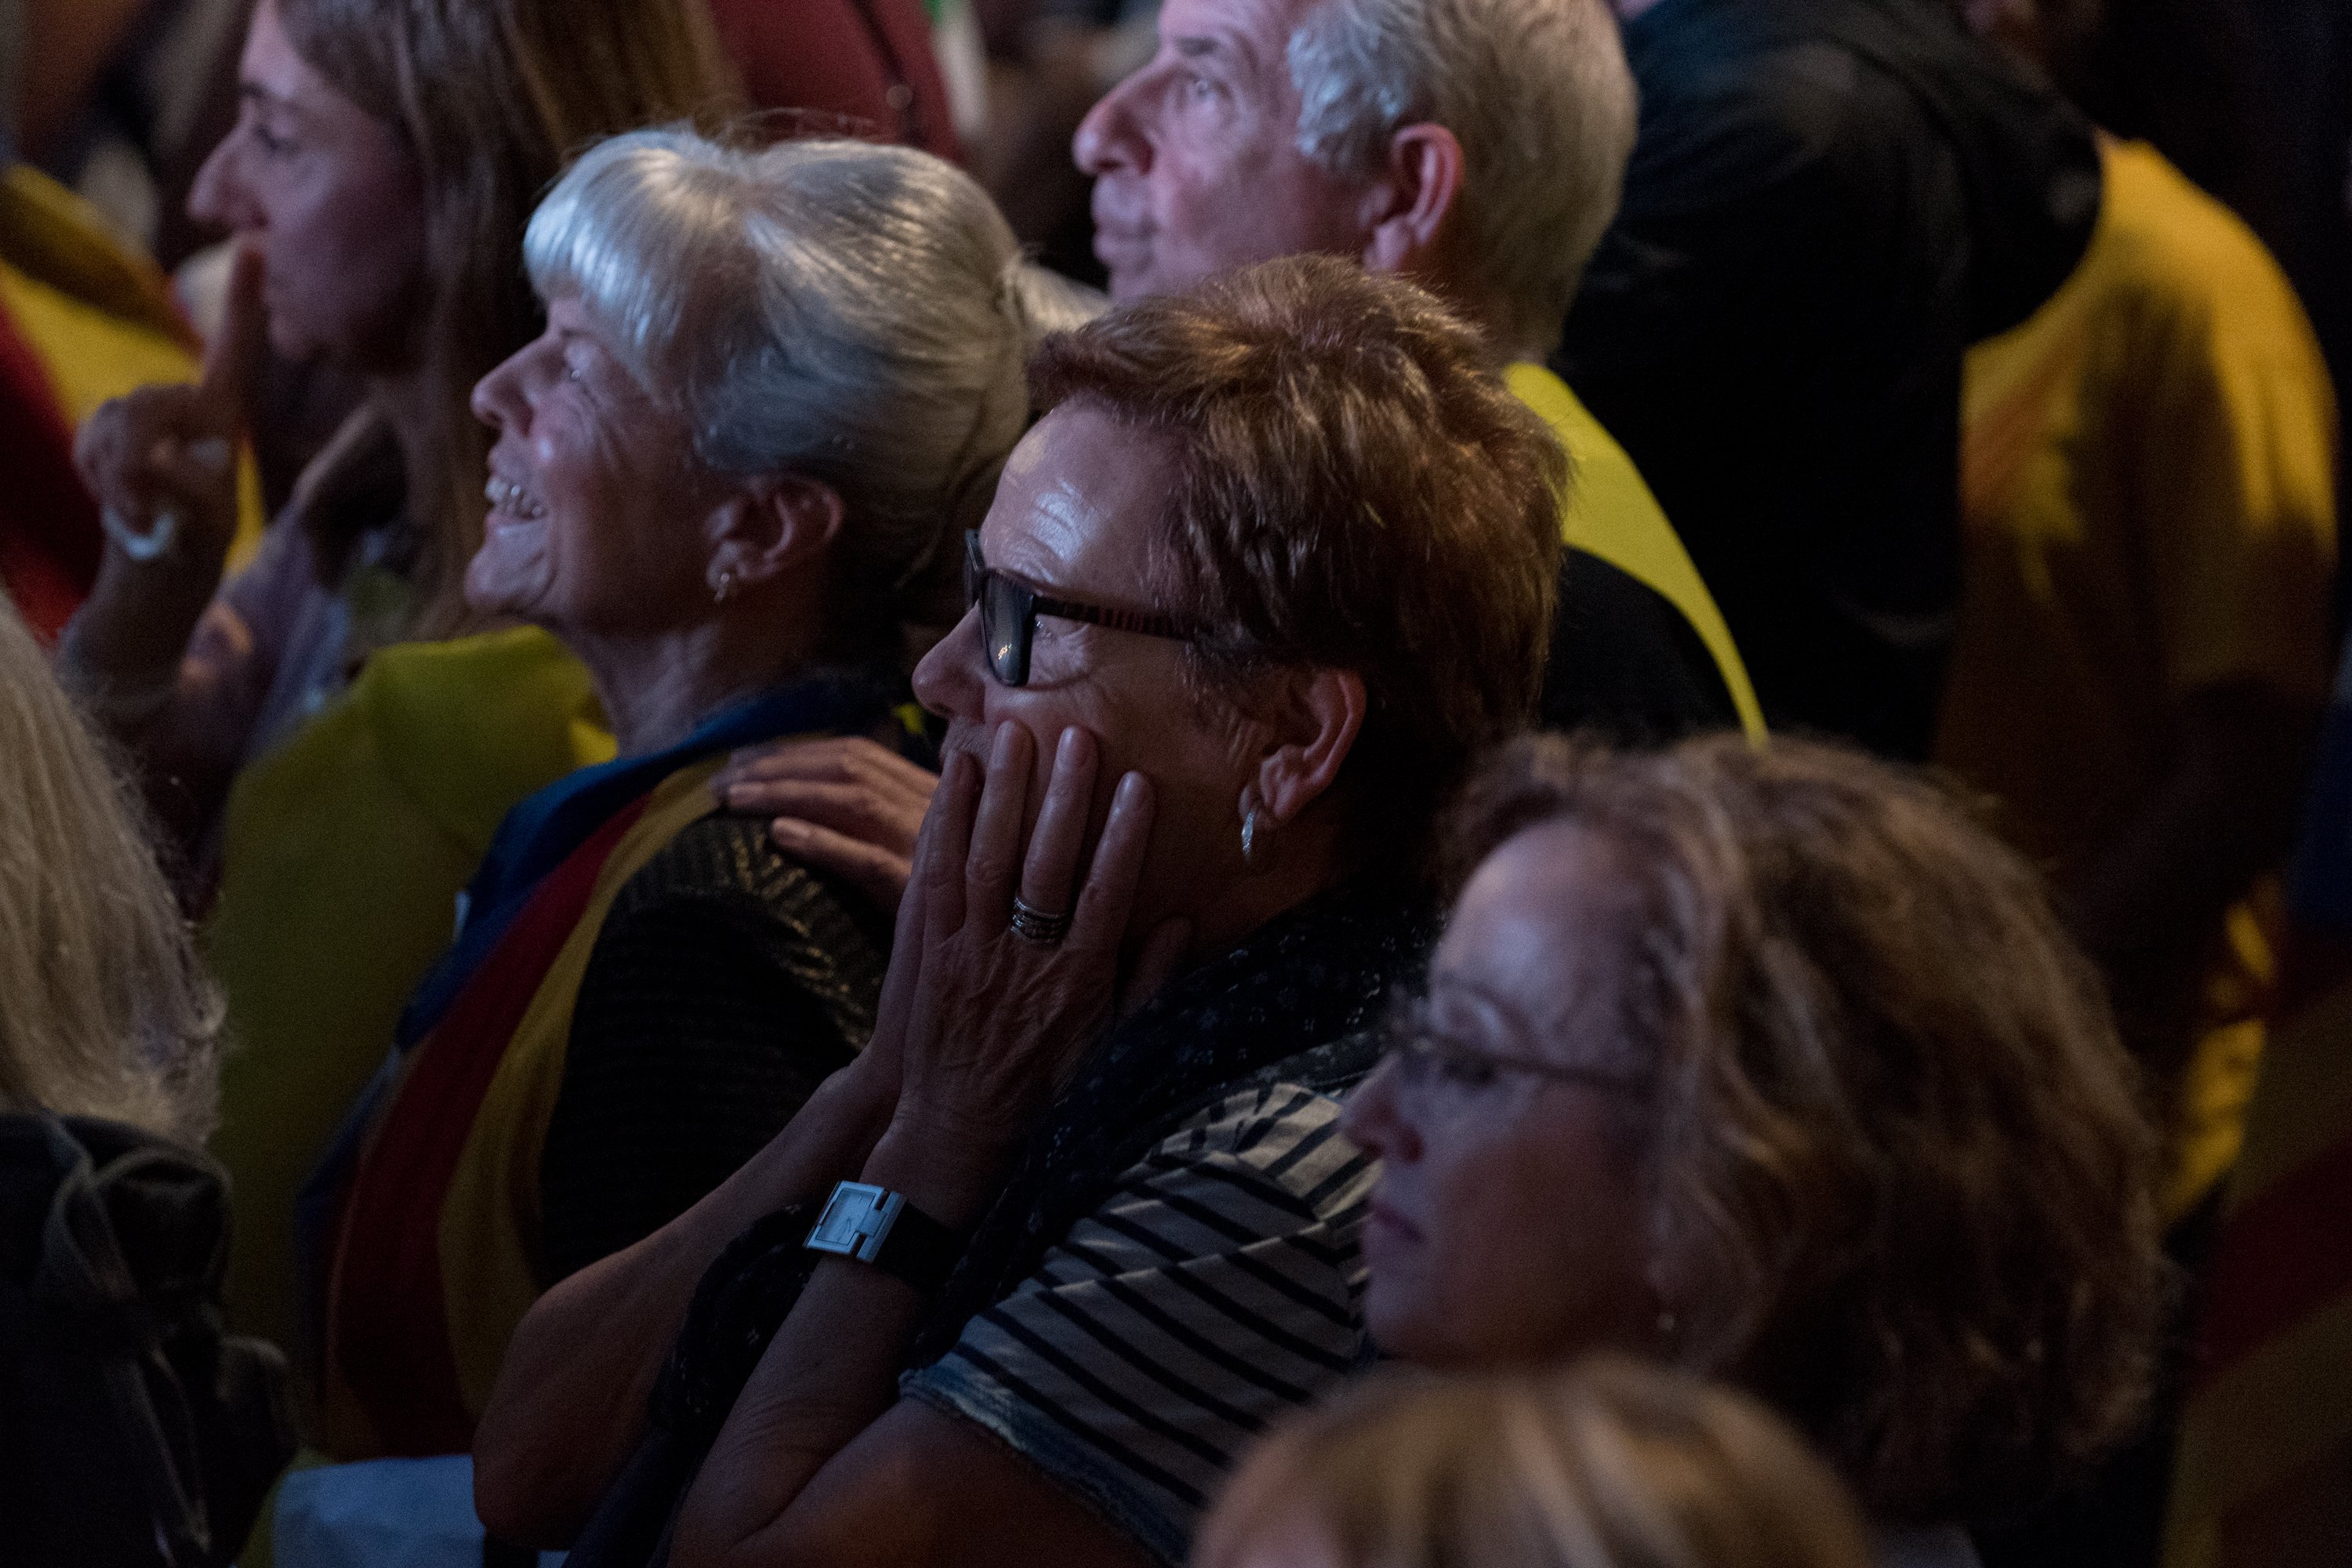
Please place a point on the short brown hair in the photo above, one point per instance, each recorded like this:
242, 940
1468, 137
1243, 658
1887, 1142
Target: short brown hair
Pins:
1899, 1175
1356, 489
1608, 1465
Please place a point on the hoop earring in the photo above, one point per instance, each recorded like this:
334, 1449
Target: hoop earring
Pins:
1250, 835
726, 587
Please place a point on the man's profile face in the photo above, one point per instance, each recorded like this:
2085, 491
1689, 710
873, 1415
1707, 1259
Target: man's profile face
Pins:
1195, 157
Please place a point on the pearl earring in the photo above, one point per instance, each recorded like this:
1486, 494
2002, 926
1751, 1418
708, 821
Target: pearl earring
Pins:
726, 588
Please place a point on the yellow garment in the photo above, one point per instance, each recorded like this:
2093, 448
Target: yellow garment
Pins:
101, 321
346, 849
491, 1214
2149, 512
490, 1271
1611, 513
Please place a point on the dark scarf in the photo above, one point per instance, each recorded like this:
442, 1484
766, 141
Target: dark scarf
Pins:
1298, 1001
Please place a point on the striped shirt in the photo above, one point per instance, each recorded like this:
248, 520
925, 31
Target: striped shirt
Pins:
1216, 1288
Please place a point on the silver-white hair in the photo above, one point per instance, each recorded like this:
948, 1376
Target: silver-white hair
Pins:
847, 311
1536, 91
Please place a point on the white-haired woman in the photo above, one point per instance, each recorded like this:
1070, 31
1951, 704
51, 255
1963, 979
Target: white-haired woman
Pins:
132, 1423
772, 384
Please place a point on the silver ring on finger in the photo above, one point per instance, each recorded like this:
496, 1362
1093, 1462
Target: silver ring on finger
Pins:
1035, 927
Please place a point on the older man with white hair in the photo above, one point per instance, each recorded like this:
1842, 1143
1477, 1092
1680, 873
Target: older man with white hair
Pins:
1478, 147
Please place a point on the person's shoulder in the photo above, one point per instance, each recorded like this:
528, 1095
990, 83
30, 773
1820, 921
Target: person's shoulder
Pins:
1213, 1290
1609, 510
1278, 1143
2169, 247
721, 879
723, 857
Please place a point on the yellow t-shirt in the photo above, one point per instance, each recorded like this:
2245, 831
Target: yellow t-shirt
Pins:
2149, 512
1611, 513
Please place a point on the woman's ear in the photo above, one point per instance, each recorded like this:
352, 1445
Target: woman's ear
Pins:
1313, 724
775, 526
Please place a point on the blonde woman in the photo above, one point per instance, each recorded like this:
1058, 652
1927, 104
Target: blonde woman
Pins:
104, 1012
1610, 1465
134, 1433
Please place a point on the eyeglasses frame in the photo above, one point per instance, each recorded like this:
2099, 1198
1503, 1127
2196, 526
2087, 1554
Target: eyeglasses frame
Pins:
1416, 1049
977, 576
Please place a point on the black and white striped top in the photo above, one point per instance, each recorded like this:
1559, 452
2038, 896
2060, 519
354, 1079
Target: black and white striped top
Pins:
1217, 1288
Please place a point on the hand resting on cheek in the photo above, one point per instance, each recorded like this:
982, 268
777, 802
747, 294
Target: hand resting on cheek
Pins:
982, 1025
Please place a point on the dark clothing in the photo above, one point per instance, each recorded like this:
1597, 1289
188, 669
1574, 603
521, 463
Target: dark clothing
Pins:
1625, 664
445, 1140
1295, 1006
2253, 100
727, 983
1299, 1001
1829, 201
133, 1432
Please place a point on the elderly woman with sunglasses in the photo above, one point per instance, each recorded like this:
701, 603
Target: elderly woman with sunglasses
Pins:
1274, 565
1772, 1065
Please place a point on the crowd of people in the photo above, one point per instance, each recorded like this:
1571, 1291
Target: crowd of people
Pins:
1285, 783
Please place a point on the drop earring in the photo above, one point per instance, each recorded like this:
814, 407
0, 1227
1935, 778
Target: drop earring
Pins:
725, 590
1250, 837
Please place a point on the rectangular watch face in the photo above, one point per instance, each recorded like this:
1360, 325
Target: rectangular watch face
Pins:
848, 1219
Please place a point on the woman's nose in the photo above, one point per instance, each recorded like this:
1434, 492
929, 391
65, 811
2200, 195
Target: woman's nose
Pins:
1373, 1121
499, 400
949, 680
217, 199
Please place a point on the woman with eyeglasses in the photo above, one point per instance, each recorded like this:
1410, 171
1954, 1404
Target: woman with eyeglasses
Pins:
1019, 1283
726, 477
1770, 1064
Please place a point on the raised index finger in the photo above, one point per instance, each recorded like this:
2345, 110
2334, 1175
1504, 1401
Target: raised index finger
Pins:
235, 352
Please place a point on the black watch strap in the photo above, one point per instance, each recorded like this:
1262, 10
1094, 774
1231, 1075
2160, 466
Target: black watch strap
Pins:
881, 1227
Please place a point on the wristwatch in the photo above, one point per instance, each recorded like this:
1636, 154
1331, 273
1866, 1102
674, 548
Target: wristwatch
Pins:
880, 1227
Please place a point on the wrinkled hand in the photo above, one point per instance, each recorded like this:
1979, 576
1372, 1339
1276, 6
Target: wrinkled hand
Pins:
169, 452
985, 1026
843, 803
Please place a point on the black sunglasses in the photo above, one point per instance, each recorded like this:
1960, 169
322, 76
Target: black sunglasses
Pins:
1009, 609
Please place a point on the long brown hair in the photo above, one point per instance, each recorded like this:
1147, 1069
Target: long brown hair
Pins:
1896, 1163
491, 98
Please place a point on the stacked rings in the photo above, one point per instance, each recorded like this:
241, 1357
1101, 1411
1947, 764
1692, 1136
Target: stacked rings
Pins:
1034, 925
